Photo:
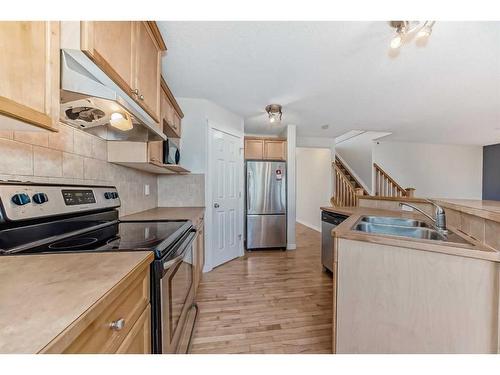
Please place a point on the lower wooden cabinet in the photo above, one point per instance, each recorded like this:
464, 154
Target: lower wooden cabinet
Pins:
199, 255
122, 325
138, 340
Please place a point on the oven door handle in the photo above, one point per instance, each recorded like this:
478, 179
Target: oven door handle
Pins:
179, 257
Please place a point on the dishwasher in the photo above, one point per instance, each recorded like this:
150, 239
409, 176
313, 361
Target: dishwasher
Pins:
329, 220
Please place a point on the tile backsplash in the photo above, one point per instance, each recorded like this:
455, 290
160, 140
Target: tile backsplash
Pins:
181, 190
73, 157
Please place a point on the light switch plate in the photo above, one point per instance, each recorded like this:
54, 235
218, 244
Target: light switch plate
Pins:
146, 189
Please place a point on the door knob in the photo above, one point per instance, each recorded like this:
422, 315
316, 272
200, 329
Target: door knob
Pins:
216, 205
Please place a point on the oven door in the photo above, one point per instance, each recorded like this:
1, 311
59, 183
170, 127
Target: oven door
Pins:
176, 294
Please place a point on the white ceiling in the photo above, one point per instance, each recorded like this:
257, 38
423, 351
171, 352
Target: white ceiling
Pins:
344, 75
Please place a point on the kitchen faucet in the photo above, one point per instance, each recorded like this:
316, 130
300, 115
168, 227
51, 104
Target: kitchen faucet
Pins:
439, 221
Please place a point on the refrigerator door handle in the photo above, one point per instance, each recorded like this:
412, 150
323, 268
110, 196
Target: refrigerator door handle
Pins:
249, 195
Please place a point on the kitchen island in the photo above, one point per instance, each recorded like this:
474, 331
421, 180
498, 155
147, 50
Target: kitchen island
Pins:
406, 295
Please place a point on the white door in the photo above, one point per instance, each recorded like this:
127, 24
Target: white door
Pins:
227, 213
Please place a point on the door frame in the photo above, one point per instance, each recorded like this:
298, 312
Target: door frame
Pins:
209, 201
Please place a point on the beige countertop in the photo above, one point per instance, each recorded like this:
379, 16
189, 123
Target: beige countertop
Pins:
41, 295
473, 250
486, 209
169, 213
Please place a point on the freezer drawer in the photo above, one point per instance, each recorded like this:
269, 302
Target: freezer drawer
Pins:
266, 231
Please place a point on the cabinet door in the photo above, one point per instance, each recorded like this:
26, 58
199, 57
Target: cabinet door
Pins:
177, 123
254, 149
147, 70
110, 45
29, 72
274, 150
167, 117
138, 340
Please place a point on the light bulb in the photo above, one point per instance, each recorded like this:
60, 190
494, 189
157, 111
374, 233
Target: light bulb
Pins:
120, 121
424, 32
396, 41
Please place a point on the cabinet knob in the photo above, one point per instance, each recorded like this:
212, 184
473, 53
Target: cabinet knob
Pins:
117, 325
216, 205
135, 91
141, 97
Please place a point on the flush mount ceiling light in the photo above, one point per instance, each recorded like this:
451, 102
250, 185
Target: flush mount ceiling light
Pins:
404, 29
274, 112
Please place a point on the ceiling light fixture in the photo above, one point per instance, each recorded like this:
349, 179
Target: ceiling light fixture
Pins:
274, 113
120, 121
407, 28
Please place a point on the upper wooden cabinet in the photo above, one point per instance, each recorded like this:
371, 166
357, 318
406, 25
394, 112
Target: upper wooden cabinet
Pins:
29, 72
265, 149
147, 69
171, 113
129, 52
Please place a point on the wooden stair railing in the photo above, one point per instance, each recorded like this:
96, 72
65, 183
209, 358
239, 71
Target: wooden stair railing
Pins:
346, 193
348, 174
385, 186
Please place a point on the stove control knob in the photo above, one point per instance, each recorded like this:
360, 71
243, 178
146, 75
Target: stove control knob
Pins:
40, 198
108, 195
115, 195
21, 199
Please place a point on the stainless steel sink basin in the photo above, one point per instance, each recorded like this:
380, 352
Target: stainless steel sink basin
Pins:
395, 221
405, 228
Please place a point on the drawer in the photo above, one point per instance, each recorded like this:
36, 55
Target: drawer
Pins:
138, 341
99, 336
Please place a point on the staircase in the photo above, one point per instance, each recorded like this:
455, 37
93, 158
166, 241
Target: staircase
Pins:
348, 189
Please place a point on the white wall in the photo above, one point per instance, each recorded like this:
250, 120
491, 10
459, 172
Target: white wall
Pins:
357, 153
434, 170
314, 184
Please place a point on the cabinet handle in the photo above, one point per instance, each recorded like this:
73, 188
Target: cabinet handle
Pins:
117, 325
135, 91
141, 97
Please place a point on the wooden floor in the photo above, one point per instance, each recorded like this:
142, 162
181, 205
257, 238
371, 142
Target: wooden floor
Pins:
267, 302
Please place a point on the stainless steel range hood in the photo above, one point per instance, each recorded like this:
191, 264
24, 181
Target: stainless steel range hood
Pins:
89, 98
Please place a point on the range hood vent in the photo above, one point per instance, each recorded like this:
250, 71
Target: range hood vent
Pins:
89, 98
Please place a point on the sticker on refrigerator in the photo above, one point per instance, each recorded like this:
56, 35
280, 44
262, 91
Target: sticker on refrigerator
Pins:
279, 175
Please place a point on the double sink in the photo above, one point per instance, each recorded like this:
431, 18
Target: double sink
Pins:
410, 228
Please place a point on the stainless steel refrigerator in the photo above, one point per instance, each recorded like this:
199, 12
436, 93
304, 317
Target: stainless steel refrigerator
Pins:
266, 204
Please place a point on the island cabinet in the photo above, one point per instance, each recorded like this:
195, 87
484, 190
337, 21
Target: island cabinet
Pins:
29, 75
265, 148
129, 52
118, 324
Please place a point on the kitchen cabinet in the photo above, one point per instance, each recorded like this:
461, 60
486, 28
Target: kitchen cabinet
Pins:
265, 149
147, 69
171, 113
129, 52
199, 255
29, 74
143, 156
254, 149
120, 325
274, 150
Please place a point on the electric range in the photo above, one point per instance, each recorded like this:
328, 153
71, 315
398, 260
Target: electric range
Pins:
56, 219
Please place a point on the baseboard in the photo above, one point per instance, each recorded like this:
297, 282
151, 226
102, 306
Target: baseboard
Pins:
314, 227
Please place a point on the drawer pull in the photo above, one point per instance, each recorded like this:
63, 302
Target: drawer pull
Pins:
117, 325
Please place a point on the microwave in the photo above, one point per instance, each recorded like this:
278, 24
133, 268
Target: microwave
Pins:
171, 153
